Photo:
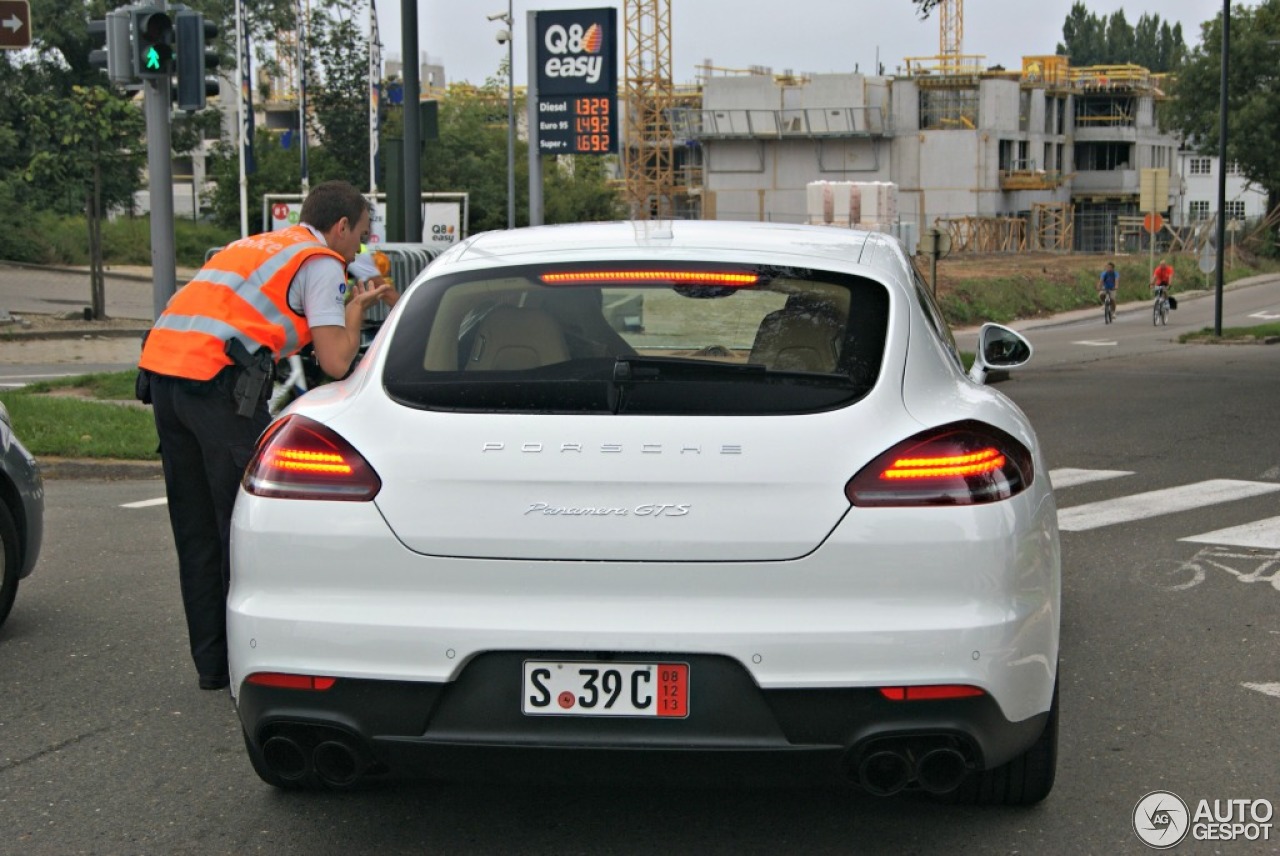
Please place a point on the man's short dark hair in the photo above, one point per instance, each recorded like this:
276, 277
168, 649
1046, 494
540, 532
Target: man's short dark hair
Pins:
329, 202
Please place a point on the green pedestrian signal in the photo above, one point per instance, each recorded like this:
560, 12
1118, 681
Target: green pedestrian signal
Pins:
152, 42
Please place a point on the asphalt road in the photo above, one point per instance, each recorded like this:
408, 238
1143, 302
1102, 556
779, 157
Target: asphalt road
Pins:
50, 291
1170, 672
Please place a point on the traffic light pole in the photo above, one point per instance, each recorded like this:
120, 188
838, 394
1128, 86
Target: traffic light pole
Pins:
155, 96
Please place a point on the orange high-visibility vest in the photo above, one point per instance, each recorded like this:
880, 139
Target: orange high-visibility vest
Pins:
242, 293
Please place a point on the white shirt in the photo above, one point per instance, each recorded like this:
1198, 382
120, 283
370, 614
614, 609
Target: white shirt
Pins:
364, 267
319, 289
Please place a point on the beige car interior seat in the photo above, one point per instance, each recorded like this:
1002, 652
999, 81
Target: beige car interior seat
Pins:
804, 335
511, 338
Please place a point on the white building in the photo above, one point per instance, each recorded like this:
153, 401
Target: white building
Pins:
1197, 191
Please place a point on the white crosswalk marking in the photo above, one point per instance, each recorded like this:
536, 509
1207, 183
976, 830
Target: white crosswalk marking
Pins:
1068, 477
1260, 534
1140, 506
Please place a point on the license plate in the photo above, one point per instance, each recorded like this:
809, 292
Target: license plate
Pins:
605, 689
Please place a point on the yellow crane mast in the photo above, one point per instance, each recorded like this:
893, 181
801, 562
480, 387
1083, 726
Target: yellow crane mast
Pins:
951, 34
649, 154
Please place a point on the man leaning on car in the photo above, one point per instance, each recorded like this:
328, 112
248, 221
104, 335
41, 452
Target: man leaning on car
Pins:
208, 361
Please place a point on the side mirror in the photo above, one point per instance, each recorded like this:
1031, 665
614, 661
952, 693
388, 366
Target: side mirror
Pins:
998, 348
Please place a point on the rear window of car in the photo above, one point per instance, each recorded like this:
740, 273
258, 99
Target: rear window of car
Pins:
639, 339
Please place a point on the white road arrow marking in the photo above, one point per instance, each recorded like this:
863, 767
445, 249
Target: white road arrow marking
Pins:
13, 22
1068, 477
146, 503
1096, 344
1155, 503
1265, 316
1265, 689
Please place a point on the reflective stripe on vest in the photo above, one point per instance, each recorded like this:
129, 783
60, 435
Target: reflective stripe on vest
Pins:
241, 293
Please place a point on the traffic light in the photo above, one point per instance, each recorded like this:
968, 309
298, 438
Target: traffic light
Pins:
111, 36
195, 56
152, 42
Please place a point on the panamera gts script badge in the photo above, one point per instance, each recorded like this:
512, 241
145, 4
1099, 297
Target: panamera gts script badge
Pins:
612, 448
645, 509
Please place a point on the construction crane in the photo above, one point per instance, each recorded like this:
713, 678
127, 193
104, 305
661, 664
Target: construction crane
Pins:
649, 157
951, 35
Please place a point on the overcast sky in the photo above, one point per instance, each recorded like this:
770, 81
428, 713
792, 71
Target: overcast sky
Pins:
816, 36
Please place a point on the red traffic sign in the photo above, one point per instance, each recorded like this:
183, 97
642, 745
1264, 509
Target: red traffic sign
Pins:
15, 24
1153, 222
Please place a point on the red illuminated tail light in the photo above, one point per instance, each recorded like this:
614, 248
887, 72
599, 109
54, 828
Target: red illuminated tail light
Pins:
931, 692
290, 682
298, 458
669, 277
967, 463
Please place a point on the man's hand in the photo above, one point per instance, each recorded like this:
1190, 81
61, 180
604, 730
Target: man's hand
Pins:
370, 291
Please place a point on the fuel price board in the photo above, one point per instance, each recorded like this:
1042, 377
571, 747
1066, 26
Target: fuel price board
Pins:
578, 125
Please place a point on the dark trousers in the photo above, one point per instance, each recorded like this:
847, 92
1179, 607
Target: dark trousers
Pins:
205, 447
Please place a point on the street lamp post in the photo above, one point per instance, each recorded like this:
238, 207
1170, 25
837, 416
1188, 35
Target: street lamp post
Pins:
1222, 171
507, 36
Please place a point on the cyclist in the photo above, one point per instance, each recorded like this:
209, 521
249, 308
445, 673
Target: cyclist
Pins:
1162, 278
1108, 282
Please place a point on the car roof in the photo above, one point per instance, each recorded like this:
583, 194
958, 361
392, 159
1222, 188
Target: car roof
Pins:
678, 238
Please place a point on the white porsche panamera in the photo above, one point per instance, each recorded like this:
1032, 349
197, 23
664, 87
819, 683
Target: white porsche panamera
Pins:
699, 494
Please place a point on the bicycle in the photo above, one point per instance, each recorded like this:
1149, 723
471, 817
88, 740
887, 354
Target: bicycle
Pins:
1108, 307
1160, 309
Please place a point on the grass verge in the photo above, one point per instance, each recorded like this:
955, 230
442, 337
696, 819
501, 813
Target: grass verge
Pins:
93, 422
1264, 333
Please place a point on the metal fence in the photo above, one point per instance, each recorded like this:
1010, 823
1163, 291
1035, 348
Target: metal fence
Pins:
407, 261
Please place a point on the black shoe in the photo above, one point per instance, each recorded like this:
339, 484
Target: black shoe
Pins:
214, 682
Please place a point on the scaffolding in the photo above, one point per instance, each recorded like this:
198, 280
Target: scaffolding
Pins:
649, 154
985, 234
1052, 224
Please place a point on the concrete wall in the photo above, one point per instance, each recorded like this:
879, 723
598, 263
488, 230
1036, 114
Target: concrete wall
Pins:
763, 170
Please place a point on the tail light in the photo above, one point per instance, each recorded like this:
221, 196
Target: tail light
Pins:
932, 692
290, 682
967, 463
298, 458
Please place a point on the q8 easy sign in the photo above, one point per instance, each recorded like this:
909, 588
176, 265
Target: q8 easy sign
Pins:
577, 81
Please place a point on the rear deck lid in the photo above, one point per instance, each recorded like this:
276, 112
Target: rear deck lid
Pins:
630, 411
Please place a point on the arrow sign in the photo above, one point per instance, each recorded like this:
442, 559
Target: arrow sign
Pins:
15, 24
1265, 316
1265, 689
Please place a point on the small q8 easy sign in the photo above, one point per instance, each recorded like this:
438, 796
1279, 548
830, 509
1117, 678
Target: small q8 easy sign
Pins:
575, 52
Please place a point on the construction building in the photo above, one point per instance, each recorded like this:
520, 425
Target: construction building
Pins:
1048, 156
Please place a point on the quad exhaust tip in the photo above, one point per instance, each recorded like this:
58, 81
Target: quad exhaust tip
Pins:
323, 755
894, 764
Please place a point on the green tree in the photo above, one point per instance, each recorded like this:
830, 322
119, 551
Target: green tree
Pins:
1090, 39
340, 94
279, 171
80, 139
1119, 40
575, 189
1252, 98
1083, 36
471, 155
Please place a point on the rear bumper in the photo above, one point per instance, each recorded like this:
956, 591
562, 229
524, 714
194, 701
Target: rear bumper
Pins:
473, 727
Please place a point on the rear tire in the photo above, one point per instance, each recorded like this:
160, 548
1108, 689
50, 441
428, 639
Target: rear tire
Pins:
10, 562
1024, 781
